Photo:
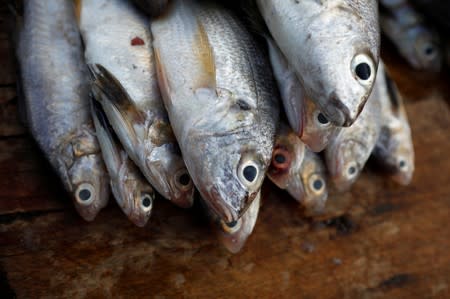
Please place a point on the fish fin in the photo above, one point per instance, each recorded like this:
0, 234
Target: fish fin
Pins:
163, 82
111, 151
205, 54
119, 107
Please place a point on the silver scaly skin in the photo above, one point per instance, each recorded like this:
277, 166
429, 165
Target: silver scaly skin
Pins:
233, 236
298, 170
394, 149
333, 46
119, 47
418, 44
349, 150
132, 191
311, 125
222, 102
55, 86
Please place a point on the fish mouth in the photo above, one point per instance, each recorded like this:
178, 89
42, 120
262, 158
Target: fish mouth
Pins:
339, 113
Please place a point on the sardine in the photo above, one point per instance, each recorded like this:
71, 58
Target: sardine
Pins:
394, 149
334, 48
222, 101
305, 118
298, 170
119, 46
132, 191
417, 43
234, 235
55, 86
153, 8
349, 150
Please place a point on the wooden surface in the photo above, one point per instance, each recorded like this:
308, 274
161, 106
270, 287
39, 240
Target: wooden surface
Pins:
377, 241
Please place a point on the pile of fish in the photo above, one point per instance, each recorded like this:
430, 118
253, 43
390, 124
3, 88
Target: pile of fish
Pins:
159, 97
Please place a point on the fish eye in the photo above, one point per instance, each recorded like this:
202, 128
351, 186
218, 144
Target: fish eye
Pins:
85, 194
363, 68
281, 158
317, 183
352, 170
231, 227
146, 201
183, 179
248, 173
321, 119
402, 164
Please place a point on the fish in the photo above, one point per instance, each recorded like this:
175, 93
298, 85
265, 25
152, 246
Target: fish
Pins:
333, 46
131, 190
222, 101
394, 149
234, 235
153, 8
304, 117
118, 49
406, 28
55, 89
298, 170
349, 150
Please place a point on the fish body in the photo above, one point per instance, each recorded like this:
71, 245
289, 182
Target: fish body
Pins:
298, 170
304, 117
54, 79
394, 149
333, 46
349, 150
118, 45
132, 191
233, 236
417, 43
222, 102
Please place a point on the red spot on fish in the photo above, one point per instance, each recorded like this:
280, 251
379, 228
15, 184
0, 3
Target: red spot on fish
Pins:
137, 41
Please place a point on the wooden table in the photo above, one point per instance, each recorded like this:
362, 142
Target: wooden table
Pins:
377, 241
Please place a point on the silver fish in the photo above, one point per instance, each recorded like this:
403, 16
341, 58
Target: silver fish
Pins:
118, 43
153, 8
132, 192
56, 94
394, 149
298, 170
418, 44
222, 102
234, 235
333, 46
311, 125
349, 150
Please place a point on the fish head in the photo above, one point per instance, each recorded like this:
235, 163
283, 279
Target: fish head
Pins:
344, 54
225, 156
89, 183
234, 235
425, 50
313, 177
170, 175
404, 165
287, 157
317, 129
348, 160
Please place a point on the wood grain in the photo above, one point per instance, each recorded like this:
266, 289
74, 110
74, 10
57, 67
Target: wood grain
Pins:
377, 241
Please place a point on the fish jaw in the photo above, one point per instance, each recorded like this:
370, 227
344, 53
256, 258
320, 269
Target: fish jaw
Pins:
234, 238
89, 183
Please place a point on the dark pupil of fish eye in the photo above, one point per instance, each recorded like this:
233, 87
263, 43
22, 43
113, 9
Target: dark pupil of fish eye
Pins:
250, 173
363, 71
352, 170
318, 184
84, 194
402, 164
146, 202
280, 159
232, 224
322, 119
243, 105
429, 50
184, 179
